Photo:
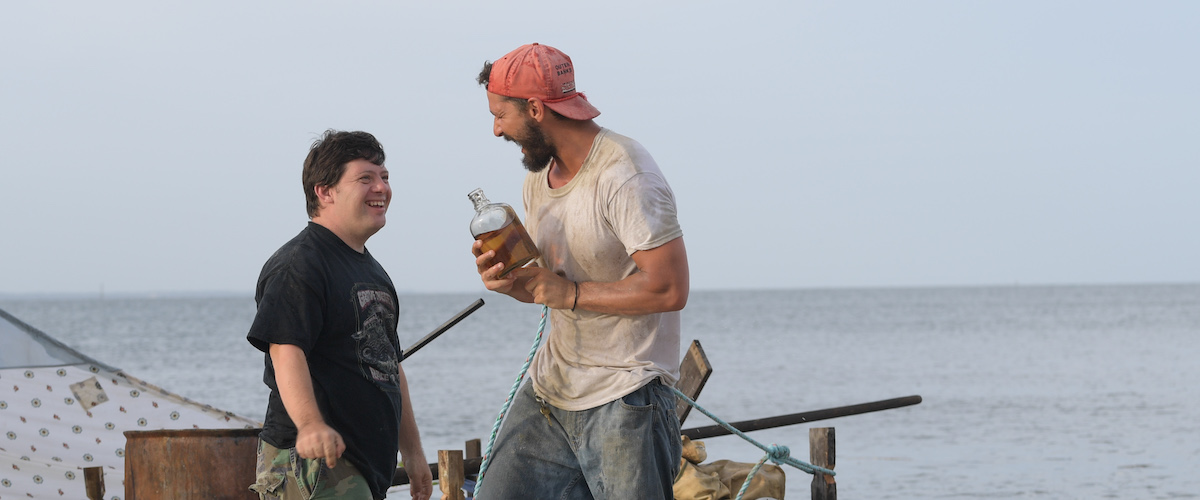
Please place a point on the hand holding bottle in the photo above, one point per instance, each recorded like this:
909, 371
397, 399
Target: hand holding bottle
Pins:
489, 269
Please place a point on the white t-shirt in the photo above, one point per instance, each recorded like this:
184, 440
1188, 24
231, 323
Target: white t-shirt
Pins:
618, 203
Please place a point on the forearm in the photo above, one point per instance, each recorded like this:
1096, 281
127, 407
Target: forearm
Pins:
410, 436
660, 284
635, 295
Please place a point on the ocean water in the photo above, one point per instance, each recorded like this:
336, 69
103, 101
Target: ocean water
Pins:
1056, 392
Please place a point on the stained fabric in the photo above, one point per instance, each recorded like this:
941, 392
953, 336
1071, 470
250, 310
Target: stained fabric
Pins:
62, 411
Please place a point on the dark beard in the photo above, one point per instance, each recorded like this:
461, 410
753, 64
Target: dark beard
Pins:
538, 151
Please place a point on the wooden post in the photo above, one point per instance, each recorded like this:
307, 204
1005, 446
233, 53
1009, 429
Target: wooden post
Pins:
450, 474
474, 449
93, 482
821, 453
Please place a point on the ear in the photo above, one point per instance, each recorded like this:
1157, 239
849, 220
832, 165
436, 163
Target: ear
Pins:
324, 195
536, 109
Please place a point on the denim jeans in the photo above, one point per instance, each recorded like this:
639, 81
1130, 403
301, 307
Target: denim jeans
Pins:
627, 449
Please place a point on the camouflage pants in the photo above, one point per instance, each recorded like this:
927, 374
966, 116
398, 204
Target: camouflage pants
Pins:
283, 475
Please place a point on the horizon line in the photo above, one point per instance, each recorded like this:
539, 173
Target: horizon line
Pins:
173, 294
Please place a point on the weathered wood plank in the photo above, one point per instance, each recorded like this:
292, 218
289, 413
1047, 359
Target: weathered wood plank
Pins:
694, 371
93, 480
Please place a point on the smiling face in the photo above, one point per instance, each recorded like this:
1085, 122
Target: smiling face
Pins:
356, 207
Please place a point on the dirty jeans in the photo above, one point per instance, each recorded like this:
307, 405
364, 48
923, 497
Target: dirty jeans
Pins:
283, 475
627, 449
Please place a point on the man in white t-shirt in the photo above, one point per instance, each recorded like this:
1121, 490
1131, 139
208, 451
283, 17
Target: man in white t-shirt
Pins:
597, 419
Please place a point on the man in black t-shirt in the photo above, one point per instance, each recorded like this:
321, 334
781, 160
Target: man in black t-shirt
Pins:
327, 323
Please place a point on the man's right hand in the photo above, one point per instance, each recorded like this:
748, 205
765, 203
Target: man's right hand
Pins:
489, 269
318, 440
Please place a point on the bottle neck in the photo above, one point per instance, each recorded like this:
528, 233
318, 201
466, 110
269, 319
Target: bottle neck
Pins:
478, 199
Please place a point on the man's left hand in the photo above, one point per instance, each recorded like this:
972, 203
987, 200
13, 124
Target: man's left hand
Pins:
420, 481
547, 288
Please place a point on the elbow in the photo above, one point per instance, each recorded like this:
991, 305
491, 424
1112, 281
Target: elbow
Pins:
675, 296
675, 300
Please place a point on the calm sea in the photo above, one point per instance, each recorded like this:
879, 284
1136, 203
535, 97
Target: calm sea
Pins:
1029, 392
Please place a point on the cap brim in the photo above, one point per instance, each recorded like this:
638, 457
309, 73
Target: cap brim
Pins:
575, 108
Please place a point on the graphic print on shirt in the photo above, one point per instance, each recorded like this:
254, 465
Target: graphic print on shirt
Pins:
376, 341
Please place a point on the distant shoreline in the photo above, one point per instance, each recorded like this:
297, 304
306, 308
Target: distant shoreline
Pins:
10, 296
120, 295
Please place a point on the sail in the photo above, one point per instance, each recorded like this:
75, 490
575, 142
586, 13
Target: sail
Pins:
62, 411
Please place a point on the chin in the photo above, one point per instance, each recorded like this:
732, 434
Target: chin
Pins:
374, 227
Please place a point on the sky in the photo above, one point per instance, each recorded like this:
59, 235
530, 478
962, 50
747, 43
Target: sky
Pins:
155, 147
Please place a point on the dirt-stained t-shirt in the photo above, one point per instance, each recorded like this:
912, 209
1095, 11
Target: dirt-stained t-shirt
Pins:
587, 230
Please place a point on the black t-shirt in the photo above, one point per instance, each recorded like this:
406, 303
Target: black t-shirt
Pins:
339, 306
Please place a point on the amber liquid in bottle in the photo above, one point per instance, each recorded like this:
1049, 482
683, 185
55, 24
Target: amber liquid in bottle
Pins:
512, 245
499, 228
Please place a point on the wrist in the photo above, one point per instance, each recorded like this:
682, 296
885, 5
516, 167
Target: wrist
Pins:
308, 424
412, 457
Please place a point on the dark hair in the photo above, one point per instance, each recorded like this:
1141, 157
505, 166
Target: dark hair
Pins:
327, 159
485, 75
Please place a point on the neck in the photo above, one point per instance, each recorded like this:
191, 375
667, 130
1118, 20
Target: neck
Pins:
357, 244
573, 141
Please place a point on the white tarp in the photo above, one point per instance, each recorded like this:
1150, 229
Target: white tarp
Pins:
61, 411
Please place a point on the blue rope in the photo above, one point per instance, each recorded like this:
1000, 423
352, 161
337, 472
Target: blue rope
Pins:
487, 454
753, 471
778, 454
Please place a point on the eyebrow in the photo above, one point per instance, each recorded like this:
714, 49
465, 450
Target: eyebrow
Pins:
371, 172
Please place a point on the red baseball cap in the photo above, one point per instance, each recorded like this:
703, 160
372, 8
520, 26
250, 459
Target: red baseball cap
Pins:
543, 72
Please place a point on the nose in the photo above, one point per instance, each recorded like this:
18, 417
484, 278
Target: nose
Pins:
496, 127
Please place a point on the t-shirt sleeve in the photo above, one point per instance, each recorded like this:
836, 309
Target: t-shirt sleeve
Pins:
642, 213
290, 308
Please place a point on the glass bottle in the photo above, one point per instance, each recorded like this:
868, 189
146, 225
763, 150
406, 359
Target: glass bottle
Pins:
499, 228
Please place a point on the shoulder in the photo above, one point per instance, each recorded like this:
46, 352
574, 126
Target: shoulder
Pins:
304, 247
622, 158
300, 256
625, 169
